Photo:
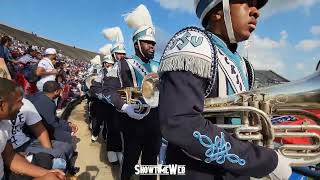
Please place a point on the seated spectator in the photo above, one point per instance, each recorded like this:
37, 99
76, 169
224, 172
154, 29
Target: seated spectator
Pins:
44, 102
5, 44
46, 70
28, 119
10, 103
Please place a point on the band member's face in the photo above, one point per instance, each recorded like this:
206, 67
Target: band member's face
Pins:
119, 56
244, 15
108, 65
148, 48
12, 105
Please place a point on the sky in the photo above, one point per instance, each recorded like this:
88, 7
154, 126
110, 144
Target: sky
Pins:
287, 39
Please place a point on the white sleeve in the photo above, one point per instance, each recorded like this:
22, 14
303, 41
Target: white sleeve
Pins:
31, 113
43, 64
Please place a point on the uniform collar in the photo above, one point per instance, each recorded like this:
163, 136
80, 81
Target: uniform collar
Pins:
222, 45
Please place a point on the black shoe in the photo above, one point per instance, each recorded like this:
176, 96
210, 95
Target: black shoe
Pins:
73, 170
116, 163
74, 154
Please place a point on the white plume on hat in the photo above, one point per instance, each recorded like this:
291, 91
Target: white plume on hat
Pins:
106, 49
113, 34
96, 60
139, 17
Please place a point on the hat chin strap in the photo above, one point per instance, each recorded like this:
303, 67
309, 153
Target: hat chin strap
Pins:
115, 57
228, 21
140, 49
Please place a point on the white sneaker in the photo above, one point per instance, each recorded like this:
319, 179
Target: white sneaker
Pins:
112, 156
94, 138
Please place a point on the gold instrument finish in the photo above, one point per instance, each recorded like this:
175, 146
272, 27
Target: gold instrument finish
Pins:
257, 108
89, 79
145, 97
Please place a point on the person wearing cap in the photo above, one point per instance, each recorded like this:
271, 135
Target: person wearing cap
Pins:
199, 64
141, 133
30, 56
45, 69
5, 44
29, 64
101, 108
107, 65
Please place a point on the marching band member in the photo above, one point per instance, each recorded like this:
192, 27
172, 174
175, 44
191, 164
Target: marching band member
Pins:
141, 132
197, 64
111, 131
118, 53
113, 53
95, 66
97, 107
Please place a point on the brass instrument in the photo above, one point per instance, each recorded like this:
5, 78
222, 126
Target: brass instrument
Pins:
145, 97
258, 106
88, 80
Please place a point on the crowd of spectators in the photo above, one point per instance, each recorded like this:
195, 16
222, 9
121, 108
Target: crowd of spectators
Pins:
44, 78
22, 59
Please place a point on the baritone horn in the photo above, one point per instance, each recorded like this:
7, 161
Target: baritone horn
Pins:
146, 97
257, 107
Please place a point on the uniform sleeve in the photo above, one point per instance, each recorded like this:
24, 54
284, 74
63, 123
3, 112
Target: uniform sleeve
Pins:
180, 107
125, 73
95, 89
109, 90
112, 84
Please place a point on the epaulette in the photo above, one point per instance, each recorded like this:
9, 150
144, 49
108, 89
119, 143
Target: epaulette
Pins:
189, 50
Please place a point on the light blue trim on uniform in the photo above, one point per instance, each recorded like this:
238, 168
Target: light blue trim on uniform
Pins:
218, 150
148, 66
235, 57
203, 4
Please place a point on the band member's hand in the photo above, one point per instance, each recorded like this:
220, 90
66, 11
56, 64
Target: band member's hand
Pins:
283, 170
130, 110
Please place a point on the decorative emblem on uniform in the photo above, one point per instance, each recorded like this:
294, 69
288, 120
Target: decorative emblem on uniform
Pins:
149, 32
218, 150
189, 50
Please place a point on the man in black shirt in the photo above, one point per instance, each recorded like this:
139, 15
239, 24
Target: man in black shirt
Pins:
44, 102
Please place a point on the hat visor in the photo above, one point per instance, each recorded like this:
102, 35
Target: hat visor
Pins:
262, 3
147, 38
120, 51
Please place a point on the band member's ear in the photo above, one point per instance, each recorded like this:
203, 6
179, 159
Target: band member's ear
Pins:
136, 46
217, 16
